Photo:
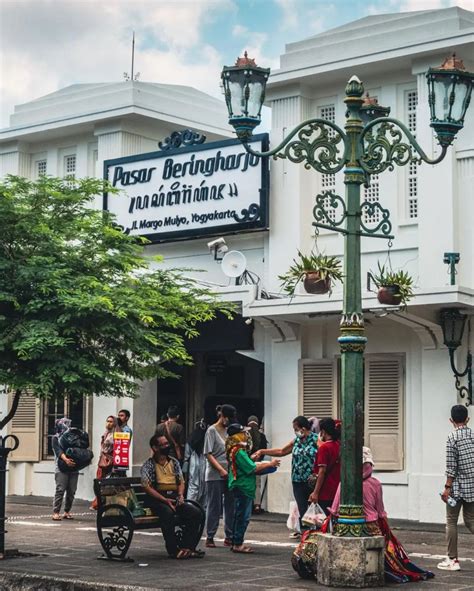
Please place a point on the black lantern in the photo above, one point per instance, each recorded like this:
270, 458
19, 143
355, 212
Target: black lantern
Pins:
453, 323
371, 109
244, 89
449, 94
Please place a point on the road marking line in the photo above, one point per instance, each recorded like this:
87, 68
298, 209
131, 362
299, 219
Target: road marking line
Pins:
38, 524
436, 556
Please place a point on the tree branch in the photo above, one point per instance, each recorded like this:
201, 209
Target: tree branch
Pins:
12, 411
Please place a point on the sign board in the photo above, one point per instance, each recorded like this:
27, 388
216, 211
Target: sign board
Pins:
121, 449
205, 190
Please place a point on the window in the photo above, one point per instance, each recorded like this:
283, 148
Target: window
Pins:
411, 102
70, 165
320, 392
56, 408
318, 384
41, 167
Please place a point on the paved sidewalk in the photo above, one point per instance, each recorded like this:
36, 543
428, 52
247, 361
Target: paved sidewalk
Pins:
68, 553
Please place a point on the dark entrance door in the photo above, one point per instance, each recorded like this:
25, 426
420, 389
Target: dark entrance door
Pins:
220, 375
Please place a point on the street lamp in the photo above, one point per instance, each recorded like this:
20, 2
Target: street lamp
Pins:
453, 322
367, 146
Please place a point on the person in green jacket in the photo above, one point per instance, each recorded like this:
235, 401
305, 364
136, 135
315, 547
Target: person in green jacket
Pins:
242, 481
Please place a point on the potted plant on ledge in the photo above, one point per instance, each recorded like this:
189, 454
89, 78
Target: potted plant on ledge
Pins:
394, 287
317, 271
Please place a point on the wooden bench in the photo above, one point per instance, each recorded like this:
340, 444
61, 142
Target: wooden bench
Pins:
122, 509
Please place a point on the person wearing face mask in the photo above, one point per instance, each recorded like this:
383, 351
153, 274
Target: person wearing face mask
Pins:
219, 498
163, 482
303, 449
242, 481
327, 465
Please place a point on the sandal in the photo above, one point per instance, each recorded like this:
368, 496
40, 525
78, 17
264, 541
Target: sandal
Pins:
210, 543
184, 554
197, 554
56, 517
67, 516
242, 550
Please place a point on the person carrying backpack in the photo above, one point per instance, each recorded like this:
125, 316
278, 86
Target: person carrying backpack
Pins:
66, 441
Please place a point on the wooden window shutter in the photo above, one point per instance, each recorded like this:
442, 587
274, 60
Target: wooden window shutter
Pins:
384, 432
318, 388
26, 426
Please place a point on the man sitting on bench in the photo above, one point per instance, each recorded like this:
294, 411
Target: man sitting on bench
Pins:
162, 480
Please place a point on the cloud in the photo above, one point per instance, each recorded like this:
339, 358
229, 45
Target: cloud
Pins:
49, 44
290, 12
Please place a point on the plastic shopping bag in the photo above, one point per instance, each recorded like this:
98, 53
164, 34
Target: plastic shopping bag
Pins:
314, 516
293, 521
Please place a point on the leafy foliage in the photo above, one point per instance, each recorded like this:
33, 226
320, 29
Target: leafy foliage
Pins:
82, 309
326, 266
401, 279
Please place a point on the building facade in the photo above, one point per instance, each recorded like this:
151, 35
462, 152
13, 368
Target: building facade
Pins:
290, 363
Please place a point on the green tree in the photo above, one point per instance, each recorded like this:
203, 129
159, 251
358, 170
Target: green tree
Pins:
83, 310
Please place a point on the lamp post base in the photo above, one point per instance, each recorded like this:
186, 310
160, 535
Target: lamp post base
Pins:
351, 562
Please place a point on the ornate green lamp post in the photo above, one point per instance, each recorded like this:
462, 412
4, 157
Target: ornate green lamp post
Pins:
371, 143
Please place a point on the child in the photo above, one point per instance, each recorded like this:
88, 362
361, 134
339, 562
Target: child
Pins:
243, 481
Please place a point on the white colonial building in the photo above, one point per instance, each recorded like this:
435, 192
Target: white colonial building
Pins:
286, 361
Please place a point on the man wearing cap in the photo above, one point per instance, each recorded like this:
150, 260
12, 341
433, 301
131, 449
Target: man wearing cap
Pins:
242, 480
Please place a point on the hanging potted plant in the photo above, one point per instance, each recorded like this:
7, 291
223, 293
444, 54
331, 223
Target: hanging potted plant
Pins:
317, 271
394, 287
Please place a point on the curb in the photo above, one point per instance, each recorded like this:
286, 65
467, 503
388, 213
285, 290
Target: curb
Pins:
29, 582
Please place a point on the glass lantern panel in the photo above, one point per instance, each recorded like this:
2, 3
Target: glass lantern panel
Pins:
462, 88
255, 98
237, 98
442, 86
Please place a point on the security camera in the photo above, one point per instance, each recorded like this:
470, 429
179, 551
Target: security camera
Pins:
218, 247
218, 244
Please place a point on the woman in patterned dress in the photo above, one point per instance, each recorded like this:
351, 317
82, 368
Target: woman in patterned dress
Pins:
303, 449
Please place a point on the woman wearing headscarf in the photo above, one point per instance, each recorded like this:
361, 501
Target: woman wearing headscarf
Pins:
398, 567
66, 482
242, 481
106, 457
195, 462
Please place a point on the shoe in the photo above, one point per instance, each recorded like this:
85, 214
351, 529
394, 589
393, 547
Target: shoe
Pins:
228, 542
294, 535
449, 564
210, 543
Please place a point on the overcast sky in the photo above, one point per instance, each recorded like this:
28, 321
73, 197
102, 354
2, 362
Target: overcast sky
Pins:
50, 44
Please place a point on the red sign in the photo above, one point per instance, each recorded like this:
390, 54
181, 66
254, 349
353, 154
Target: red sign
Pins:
121, 449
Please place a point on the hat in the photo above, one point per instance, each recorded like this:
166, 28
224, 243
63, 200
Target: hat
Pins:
235, 428
252, 419
367, 457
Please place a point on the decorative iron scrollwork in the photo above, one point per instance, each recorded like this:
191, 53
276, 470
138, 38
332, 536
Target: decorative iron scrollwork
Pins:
384, 149
252, 214
334, 216
179, 139
316, 146
369, 208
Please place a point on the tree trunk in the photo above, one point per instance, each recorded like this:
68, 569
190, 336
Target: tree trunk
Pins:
11, 413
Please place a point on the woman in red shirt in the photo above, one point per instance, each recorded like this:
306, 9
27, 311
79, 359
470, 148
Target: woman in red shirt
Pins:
327, 465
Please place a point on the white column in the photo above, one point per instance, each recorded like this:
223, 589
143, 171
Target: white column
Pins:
283, 378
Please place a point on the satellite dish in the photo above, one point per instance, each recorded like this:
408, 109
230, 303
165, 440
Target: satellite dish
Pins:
234, 263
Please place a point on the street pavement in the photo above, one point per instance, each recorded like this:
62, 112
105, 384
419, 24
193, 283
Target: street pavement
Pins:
67, 557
